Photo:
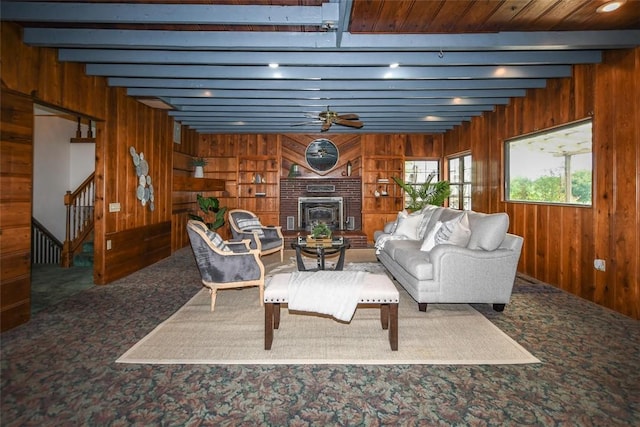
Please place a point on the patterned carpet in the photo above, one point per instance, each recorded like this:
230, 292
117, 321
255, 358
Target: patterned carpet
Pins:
59, 369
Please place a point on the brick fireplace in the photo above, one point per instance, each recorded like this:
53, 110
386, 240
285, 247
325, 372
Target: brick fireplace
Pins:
348, 188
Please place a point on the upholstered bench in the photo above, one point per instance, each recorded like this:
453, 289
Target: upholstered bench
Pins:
378, 290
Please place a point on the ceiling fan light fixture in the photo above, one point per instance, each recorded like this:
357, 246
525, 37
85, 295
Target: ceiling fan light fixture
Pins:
610, 6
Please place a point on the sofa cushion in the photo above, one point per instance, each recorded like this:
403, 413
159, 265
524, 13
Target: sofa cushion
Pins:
487, 230
415, 262
392, 247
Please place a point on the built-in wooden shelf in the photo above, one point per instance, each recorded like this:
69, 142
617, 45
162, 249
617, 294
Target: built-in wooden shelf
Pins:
189, 183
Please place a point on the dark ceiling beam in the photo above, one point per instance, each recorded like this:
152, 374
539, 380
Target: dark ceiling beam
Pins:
323, 94
256, 40
387, 84
337, 73
322, 58
172, 14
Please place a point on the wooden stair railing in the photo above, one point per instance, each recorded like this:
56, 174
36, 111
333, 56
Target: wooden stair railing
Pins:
45, 248
80, 205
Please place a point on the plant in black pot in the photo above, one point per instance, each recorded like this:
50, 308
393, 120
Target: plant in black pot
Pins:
211, 212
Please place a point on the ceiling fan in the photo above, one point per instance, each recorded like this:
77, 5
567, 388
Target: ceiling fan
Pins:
328, 117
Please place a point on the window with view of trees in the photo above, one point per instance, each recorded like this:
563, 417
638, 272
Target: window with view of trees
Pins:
551, 166
460, 182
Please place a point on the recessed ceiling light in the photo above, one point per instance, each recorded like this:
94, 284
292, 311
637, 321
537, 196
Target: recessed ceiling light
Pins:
610, 6
394, 65
273, 65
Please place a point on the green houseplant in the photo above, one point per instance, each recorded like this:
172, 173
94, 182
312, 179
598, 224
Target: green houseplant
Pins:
320, 231
211, 212
427, 193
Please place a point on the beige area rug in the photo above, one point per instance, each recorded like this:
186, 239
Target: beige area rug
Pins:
234, 334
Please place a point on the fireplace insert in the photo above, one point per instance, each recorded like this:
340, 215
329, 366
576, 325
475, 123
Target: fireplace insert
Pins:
313, 210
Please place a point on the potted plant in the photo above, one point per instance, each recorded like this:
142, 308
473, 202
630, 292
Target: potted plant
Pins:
321, 231
212, 213
427, 193
199, 163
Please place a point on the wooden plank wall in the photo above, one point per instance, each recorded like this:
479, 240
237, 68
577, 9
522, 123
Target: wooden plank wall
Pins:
16, 184
561, 242
122, 122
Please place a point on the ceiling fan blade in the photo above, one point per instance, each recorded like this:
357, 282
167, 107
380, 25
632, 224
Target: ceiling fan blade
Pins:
348, 116
350, 123
325, 126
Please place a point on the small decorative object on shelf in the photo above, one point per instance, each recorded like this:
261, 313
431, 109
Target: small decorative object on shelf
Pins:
349, 168
199, 163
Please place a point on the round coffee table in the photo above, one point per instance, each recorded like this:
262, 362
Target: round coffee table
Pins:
302, 246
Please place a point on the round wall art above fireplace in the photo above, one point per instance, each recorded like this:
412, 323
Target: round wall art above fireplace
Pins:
321, 155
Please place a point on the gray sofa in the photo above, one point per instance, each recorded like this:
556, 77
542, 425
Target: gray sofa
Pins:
442, 255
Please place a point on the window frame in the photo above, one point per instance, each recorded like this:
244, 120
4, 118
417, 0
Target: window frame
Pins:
460, 158
550, 130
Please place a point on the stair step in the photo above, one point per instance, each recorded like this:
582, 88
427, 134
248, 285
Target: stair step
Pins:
83, 259
87, 246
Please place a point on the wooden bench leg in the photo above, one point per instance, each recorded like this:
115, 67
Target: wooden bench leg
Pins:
268, 325
393, 326
276, 315
384, 315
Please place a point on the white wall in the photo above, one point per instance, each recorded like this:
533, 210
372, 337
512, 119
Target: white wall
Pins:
59, 166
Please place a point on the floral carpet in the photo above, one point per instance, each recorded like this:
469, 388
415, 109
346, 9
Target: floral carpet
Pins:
59, 369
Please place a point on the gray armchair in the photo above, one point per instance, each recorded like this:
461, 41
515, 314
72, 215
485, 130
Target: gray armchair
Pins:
224, 264
266, 239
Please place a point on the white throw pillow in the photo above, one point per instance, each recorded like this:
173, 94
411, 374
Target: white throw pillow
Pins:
408, 225
454, 232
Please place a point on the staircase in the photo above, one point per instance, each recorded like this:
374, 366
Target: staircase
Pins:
78, 244
84, 258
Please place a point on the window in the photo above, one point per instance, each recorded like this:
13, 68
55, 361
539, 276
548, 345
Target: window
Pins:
551, 166
417, 172
460, 182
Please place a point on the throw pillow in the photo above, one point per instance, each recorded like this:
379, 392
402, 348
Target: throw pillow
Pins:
217, 241
391, 227
454, 232
408, 226
430, 239
489, 231
249, 225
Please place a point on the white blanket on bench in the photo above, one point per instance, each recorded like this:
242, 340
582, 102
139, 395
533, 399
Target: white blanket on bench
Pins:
335, 293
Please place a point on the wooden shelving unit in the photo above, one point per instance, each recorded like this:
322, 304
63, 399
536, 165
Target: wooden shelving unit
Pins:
258, 186
382, 198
